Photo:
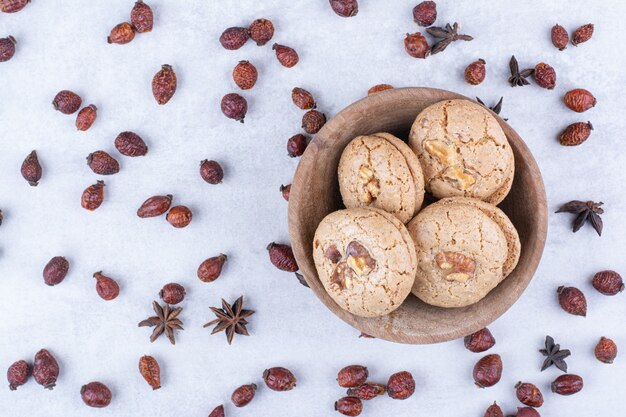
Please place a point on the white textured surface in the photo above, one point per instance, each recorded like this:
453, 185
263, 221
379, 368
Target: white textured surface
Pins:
62, 45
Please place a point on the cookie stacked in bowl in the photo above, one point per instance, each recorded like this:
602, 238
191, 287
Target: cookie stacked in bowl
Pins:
385, 244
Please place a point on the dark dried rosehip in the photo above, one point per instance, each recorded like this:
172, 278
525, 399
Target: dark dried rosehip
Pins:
366, 391
425, 13
12, 6
575, 134
528, 394
1, 217
96, 394
378, 88
579, 100
150, 371
93, 196
475, 72
31, 169
352, 376
545, 76
211, 171
86, 117
18, 374
234, 38
45, 369
488, 371
102, 163
155, 206
302, 98
130, 144
288, 57
211, 269
285, 190
67, 102
296, 145
527, 412
608, 282
480, 341
164, 84
179, 216
567, 384
217, 411
7, 48
121, 34
172, 293
261, 31
345, 8
606, 350
401, 385
106, 287
282, 257
559, 37
582, 34
234, 106
349, 406
141, 17
313, 121
572, 300
279, 379
55, 270
245, 75
494, 410
243, 395
416, 45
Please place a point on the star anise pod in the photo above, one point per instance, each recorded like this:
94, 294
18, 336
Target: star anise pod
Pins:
496, 109
585, 211
554, 355
301, 279
447, 34
517, 78
232, 319
165, 321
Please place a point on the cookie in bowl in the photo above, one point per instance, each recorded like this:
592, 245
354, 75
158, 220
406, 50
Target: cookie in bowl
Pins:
381, 171
365, 259
463, 151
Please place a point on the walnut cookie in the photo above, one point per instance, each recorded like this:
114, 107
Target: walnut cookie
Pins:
463, 151
381, 171
365, 259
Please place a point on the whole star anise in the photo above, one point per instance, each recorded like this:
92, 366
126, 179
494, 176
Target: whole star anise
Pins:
496, 109
165, 321
585, 211
554, 355
232, 319
518, 78
447, 34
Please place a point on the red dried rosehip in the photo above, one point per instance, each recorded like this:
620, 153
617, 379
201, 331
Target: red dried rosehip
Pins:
606, 350
352, 376
279, 379
378, 88
527, 412
313, 121
172, 293
416, 45
7, 48
67, 102
211, 171
102, 163
475, 72
575, 134
302, 98
366, 391
17, 374
211, 269
345, 8
567, 384
121, 34
164, 84
288, 57
608, 282
12, 6
155, 206
151, 371
234, 38
96, 394
494, 410
106, 287
296, 145
55, 270
349, 406
234, 106
93, 196
31, 169
130, 144
480, 341
179, 216
243, 395
572, 300
285, 190
282, 257
45, 369
559, 37
488, 371
86, 117
245, 75
401, 385
217, 411
528, 394
141, 17
582, 34
579, 100
261, 31
545, 76
425, 13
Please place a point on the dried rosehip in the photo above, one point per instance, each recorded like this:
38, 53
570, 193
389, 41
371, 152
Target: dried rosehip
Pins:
150, 371
7, 48
31, 169
527, 412
93, 196
279, 379
67, 102
378, 88
18, 374
366, 391
567, 384
285, 190
302, 98
211, 171
488, 371
217, 411
579, 100
606, 350
425, 13
96, 394
559, 37
345, 8
352, 376
211, 269
141, 17
121, 34
106, 287
282, 257
261, 31
86, 117
349, 406
102, 163
1, 217
155, 206
243, 395
296, 145
234, 38
545, 76
288, 57
12, 6
401, 385
130, 144
172, 293
528, 394
313, 121
608, 282
480, 341
55, 270
475, 72
245, 75
164, 84
416, 45
582, 34
179, 216
572, 300
575, 134
494, 410
45, 369
234, 106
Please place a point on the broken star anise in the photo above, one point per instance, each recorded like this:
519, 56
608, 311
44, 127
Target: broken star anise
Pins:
165, 321
496, 109
554, 355
518, 78
586, 211
232, 319
447, 34
301, 279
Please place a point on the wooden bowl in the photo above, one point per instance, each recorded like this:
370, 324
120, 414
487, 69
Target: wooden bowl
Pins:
315, 193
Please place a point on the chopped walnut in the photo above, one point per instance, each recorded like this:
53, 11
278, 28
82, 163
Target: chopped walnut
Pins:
443, 152
462, 178
456, 266
370, 185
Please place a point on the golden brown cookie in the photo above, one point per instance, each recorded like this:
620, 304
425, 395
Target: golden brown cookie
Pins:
381, 171
365, 259
463, 151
